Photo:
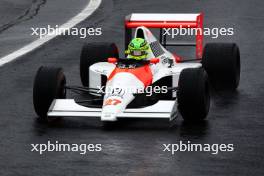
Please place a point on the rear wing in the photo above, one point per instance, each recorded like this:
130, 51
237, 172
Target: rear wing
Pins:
164, 21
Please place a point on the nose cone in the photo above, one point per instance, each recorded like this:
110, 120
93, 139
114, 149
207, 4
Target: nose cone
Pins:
119, 92
114, 105
109, 116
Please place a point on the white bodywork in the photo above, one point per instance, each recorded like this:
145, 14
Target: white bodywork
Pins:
124, 80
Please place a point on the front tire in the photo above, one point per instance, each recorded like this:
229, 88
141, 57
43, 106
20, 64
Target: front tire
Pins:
49, 84
222, 64
193, 94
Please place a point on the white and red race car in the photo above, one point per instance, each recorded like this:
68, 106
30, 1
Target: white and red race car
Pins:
158, 87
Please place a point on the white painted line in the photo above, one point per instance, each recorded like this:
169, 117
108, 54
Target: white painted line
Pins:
86, 12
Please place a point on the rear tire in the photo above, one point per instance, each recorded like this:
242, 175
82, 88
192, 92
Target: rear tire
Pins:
93, 53
193, 95
49, 84
222, 64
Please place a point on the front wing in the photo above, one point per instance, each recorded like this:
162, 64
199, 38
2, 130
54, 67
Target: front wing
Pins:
69, 108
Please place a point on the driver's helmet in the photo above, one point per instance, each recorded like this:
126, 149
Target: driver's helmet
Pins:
138, 49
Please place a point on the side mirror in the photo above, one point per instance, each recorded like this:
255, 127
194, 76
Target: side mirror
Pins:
112, 60
154, 60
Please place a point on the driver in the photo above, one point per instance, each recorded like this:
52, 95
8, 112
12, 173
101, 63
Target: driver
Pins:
138, 49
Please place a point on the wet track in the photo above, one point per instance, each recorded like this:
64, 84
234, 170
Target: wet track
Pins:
135, 148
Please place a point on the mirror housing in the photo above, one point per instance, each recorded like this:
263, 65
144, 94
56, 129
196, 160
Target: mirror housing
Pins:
154, 60
112, 60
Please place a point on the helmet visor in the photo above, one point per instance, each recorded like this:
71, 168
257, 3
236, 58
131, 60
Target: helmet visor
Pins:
137, 53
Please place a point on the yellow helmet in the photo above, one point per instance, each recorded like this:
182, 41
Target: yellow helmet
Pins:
138, 49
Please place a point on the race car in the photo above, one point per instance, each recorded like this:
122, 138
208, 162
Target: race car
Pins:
149, 82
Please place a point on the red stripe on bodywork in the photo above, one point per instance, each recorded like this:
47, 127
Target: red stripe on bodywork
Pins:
143, 73
177, 58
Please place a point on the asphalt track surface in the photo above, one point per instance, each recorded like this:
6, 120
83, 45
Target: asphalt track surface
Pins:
19, 16
135, 148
